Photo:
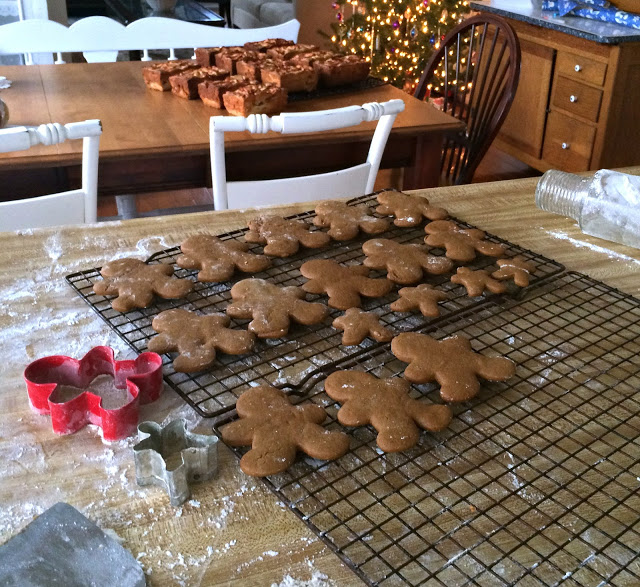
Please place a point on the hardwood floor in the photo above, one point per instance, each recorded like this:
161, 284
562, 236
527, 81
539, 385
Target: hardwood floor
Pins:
148, 202
496, 166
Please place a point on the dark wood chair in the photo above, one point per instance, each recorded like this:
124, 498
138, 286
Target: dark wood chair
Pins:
479, 61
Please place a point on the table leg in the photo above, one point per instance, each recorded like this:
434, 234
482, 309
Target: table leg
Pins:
126, 206
425, 172
224, 6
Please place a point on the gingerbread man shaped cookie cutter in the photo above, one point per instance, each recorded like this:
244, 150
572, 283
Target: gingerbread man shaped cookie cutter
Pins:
142, 377
156, 458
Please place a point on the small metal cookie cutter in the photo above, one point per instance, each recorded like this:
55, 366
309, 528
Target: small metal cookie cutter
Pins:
172, 457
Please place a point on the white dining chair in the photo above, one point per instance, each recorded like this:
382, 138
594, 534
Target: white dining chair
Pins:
71, 207
352, 181
100, 38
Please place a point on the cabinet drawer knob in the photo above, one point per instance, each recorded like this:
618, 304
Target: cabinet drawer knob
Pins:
578, 67
573, 98
566, 146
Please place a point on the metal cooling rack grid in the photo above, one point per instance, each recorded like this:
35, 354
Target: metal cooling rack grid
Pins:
535, 481
307, 351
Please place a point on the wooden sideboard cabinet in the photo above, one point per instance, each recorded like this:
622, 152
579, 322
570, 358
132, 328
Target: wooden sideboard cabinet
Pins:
578, 102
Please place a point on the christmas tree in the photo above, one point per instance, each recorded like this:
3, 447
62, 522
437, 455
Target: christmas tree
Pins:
396, 36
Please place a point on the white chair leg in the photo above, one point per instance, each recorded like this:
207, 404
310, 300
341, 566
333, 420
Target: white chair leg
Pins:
126, 205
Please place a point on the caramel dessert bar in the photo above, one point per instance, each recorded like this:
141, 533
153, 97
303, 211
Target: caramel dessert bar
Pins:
264, 46
294, 78
206, 56
289, 51
227, 59
250, 68
185, 85
312, 57
156, 76
255, 99
211, 92
341, 71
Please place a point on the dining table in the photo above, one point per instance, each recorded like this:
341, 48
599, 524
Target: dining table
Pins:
235, 531
154, 141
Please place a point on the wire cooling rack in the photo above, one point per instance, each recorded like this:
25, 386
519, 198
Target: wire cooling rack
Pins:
535, 482
308, 351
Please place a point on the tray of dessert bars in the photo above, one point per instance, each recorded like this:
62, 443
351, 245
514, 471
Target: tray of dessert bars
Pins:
367, 84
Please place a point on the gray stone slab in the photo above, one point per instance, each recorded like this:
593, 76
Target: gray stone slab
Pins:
62, 547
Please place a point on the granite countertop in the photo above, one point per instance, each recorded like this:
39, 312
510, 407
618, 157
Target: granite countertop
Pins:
531, 12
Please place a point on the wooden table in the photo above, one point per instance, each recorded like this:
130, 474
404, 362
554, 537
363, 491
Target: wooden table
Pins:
234, 532
153, 140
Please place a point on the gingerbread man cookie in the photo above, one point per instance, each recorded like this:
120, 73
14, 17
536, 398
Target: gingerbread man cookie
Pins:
424, 298
516, 268
196, 338
404, 263
345, 222
358, 325
408, 210
451, 362
277, 430
343, 284
272, 307
135, 283
387, 406
477, 281
460, 243
282, 236
217, 260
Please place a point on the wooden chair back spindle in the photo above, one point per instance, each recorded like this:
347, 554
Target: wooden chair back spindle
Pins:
479, 67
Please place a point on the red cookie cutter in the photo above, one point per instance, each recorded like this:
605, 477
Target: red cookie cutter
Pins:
142, 377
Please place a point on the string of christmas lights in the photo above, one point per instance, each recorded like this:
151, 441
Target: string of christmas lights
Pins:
396, 36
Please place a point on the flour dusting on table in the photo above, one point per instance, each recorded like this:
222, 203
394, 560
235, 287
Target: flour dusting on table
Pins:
41, 315
317, 579
596, 248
